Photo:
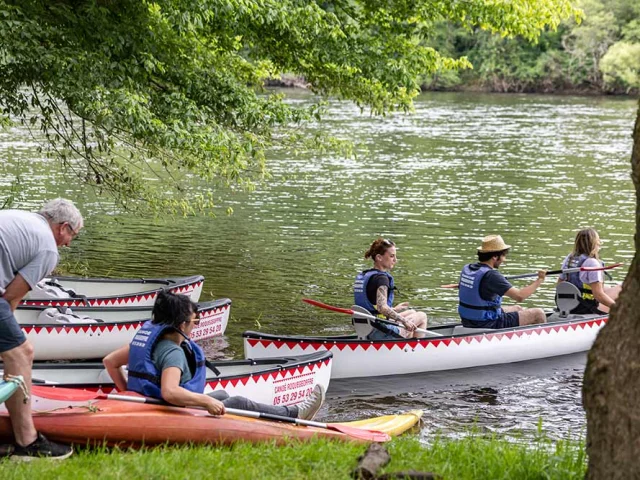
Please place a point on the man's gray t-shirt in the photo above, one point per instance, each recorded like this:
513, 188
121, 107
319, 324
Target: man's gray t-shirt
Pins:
27, 247
168, 353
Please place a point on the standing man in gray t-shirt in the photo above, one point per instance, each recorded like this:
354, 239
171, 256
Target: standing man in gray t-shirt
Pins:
29, 252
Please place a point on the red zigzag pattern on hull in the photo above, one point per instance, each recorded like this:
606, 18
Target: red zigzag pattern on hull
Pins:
100, 327
245, 380
123, 300
424, 343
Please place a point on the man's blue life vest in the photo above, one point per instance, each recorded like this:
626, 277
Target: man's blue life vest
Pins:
144, 377
588, 300
471, 305
360, 290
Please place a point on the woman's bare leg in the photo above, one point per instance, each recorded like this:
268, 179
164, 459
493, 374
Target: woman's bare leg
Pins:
419, 319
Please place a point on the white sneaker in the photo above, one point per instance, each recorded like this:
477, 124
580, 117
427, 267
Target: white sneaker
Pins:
310, 406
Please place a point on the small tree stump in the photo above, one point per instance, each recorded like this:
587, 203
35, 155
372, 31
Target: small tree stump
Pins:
373, 460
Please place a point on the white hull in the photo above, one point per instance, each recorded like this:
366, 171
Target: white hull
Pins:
365, 358
115, 292
96, 339
285, 381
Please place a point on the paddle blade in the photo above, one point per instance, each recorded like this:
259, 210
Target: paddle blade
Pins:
359, 433
316, 303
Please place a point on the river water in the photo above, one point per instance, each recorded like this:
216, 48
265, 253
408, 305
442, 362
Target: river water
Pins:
532, 168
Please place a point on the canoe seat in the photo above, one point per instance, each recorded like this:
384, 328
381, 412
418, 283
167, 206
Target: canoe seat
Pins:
567, 298
362, 326
47, 289
64, 315
461, 330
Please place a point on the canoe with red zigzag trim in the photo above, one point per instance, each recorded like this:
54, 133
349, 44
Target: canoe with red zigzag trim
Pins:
62, 333
69, 417
109, 292
282, 381
454, 347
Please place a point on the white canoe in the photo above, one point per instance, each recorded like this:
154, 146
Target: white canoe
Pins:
109, 292
274, 381
92, 332
456, 347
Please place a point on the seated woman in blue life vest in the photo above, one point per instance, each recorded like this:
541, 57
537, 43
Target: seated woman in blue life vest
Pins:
482, 287
374, 291
596, 298
163, 362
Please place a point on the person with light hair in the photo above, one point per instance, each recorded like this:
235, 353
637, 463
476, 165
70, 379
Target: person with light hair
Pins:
594, 296
482, 287
29, 252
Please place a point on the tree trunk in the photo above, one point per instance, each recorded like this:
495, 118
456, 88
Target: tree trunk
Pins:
611, 391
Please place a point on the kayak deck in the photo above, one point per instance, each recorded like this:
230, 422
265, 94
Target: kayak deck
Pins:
392, 425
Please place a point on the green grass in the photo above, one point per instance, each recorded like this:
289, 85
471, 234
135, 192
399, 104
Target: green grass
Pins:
473, 457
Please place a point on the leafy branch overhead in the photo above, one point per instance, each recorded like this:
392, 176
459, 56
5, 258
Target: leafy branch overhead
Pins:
125, 91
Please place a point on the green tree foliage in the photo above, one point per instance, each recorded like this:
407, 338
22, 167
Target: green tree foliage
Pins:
124, 91
588, 42
563, 60
621, 66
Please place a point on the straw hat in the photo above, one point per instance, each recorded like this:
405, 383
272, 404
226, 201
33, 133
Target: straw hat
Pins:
493, 243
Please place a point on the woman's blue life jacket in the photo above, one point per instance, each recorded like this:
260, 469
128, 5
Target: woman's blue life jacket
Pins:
144, 377
587, 298
360, 290
471, 305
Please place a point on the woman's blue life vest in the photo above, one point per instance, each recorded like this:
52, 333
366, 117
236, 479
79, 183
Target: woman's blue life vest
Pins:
471, 305
587, 299
144, 377
360, 290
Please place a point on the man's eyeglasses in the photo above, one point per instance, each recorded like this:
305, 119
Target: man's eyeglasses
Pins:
74, 234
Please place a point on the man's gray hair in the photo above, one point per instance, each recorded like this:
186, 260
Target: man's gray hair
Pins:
61, 210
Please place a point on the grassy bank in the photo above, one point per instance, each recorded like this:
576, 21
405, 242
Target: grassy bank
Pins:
469, 458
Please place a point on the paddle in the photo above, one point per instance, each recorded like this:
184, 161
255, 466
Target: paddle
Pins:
357, 314
550, 272
68, 394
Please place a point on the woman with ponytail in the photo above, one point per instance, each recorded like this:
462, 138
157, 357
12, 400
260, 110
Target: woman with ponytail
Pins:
374, 290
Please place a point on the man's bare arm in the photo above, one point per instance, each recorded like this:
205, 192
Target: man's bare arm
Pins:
16, 291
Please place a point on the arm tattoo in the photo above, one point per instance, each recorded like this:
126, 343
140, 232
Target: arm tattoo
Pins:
383, 308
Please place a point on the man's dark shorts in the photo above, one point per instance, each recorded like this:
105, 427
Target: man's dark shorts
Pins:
11, 335
507, 320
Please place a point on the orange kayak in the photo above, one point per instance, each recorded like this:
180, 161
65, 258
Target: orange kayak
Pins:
114, 422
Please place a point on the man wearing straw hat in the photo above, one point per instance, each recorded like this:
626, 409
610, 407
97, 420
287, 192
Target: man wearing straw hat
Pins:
482, 287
